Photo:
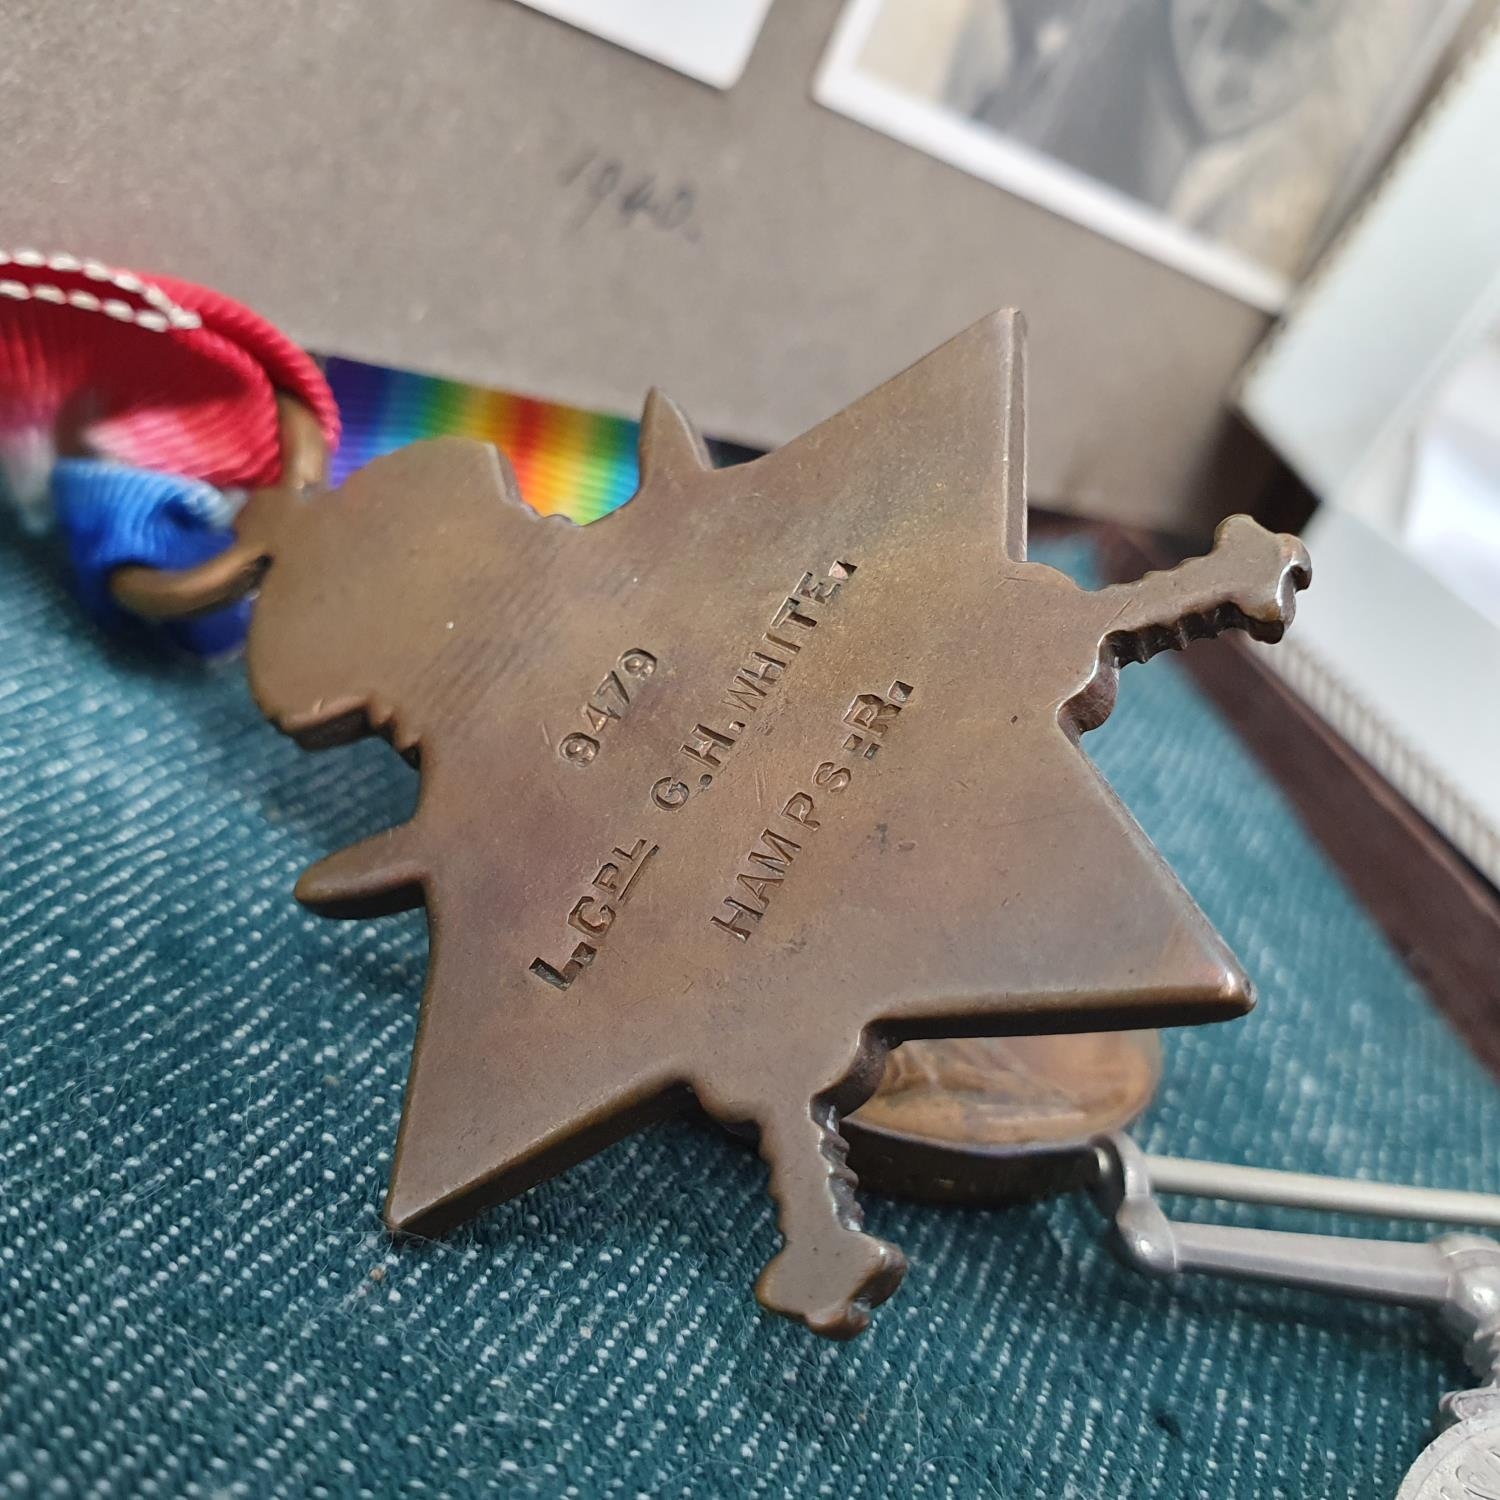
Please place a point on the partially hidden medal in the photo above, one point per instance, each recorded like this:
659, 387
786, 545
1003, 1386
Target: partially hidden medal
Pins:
726, 794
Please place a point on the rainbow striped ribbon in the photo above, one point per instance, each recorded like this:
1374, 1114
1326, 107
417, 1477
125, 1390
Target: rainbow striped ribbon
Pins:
568, 462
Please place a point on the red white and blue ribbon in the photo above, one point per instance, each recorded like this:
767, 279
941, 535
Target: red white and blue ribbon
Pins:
135, 412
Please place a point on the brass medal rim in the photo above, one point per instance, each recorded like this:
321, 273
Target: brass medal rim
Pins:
951, 1168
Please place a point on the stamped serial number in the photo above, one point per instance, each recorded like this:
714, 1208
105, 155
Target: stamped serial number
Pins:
607, 705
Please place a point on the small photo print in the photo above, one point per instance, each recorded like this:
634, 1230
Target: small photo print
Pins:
710, 40
1223, 137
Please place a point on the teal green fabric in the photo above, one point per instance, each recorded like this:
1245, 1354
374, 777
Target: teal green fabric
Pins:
199, 1092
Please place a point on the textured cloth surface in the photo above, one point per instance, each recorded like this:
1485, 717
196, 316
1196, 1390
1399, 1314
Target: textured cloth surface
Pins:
199, 1092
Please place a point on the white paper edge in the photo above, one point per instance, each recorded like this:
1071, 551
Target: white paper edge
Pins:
1427, 719
1403, 668
1353, 360
723, 72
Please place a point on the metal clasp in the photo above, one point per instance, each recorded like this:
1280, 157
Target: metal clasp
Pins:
174, 594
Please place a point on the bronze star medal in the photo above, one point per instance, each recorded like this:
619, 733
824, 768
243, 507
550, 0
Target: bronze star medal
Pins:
726, 793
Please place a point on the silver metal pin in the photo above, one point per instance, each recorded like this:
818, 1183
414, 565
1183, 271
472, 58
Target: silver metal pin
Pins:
1456, 1275
1202, 1179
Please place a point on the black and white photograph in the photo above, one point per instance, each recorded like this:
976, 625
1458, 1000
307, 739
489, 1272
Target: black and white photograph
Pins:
1224, 137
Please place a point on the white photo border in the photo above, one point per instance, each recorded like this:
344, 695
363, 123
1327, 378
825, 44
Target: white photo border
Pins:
842, 85
709, 42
